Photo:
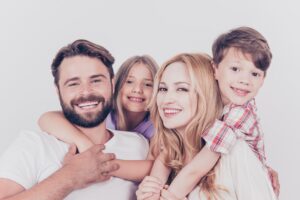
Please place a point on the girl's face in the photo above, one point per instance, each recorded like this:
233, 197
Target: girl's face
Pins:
176, 99
137, 90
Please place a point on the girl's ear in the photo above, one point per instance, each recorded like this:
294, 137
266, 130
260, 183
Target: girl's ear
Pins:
113, 84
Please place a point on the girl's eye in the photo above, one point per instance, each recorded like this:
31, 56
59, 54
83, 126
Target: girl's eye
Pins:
235, 69
148, 84
129, 81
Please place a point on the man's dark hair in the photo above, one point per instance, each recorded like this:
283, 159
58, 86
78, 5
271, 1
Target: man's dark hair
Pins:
82, 48
247, 40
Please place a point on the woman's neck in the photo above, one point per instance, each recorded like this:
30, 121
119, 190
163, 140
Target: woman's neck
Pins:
133, 119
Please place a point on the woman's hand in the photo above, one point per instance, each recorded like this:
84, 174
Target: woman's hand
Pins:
149, 189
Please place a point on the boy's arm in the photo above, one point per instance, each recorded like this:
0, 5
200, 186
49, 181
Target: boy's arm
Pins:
57, 125
133, 170
192, 173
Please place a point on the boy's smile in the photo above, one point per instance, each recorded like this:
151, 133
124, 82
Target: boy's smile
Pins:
239, 79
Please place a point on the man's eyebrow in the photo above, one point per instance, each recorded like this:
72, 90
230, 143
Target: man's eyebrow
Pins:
71, 79
98, 75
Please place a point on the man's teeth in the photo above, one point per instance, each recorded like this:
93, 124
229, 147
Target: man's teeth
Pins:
89, 104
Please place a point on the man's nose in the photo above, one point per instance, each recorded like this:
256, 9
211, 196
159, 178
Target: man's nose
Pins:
86, 89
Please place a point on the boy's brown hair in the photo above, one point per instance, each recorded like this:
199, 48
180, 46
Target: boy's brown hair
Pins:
247, 40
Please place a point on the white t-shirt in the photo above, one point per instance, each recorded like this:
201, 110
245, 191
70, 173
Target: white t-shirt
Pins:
35, 156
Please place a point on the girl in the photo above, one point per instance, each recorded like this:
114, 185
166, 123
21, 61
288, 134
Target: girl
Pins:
188, 101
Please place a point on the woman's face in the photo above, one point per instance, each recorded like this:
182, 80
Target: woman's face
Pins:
176, 99
137, 90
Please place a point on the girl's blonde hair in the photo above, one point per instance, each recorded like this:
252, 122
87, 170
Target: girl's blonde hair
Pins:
178, 147
121, 77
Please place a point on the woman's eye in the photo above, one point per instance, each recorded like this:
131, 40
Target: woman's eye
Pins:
162, 89
183, 89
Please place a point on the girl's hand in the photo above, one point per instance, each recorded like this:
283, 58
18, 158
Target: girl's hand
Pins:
149, 189
167, 195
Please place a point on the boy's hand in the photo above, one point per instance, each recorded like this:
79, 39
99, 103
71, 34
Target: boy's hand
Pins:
275, 180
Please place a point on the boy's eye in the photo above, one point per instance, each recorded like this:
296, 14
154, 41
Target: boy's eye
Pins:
255, 74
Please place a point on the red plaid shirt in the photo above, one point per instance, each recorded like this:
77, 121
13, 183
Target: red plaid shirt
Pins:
237, 122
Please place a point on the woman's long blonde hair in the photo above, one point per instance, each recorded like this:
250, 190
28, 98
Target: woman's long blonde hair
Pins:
178, 147
121, 78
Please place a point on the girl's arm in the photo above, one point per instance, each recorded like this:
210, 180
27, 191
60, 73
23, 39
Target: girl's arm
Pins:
57, 125
192, 173
133, 170
152, 185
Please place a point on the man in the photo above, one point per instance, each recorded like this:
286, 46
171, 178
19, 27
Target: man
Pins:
32, 166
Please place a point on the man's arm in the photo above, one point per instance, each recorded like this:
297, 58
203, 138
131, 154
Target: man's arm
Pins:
80, 171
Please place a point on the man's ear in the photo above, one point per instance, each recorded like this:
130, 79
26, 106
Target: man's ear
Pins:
57, 89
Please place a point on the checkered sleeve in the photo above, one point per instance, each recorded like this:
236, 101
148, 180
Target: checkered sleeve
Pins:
222, 136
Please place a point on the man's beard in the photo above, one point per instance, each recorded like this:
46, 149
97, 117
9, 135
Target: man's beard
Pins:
90, 120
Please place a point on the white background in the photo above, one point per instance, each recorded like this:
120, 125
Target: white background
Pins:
31, 33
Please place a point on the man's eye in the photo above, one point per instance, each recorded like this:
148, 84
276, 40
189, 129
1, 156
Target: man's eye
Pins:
96, 81
72, 84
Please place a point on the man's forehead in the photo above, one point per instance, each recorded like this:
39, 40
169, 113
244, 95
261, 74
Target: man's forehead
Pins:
82, 66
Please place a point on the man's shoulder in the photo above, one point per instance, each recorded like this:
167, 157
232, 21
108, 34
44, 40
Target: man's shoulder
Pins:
128, 135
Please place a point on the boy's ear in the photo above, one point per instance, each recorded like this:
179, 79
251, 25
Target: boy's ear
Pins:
215, 68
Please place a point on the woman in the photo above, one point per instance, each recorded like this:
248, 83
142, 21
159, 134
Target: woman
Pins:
185, 103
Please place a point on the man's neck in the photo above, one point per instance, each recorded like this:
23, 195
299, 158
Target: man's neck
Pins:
98, 134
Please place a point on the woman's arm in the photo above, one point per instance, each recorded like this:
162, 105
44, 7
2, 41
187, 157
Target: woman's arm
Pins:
192, 173
57, 125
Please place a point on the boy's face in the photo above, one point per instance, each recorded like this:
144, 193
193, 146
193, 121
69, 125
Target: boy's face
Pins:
239, 80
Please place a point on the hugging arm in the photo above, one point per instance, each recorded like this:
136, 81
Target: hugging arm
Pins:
57, 125
192, 173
